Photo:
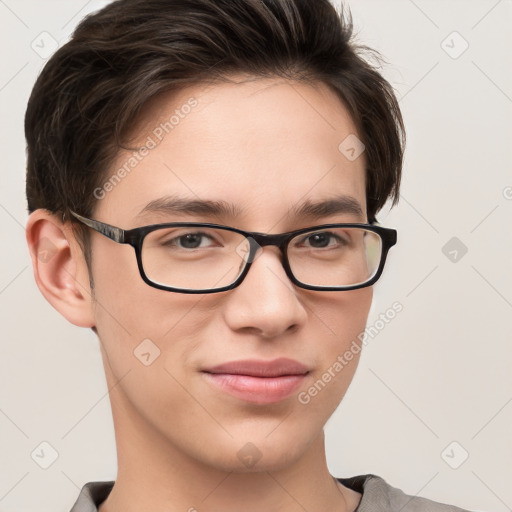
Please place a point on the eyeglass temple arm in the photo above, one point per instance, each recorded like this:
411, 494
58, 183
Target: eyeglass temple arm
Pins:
107, 230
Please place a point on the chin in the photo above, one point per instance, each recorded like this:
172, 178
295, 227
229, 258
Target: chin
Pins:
260, 455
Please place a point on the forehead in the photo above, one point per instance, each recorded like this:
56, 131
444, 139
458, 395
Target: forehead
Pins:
263, 145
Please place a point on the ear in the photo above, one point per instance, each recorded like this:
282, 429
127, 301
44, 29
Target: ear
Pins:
59, 267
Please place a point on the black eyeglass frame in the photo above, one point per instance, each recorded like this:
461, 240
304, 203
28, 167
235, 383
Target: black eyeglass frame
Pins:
135, 238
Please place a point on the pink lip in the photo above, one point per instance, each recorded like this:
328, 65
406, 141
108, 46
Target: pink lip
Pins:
257, 381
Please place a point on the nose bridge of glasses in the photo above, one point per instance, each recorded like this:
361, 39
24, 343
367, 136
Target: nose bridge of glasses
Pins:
264, 239
259, 240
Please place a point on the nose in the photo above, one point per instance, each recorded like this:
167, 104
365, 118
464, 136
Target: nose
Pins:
266, 302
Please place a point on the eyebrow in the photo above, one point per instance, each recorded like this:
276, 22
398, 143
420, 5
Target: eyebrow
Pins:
339, 205
174, 205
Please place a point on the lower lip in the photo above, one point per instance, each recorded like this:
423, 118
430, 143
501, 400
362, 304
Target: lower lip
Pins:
258, 390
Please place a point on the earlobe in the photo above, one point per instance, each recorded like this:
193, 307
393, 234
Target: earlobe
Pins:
59, 267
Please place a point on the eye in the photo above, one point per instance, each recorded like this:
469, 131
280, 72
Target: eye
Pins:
196, 240
321, 240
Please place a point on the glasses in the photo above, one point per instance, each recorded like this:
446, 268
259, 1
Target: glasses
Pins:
194, 257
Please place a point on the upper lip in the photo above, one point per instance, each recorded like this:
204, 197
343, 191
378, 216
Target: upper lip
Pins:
260, 368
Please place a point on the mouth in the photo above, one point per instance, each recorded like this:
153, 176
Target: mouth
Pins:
258, 381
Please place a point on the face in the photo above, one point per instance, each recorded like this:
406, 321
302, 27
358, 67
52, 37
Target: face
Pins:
264, 147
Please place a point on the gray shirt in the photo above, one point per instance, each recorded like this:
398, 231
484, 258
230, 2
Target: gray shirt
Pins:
377, 496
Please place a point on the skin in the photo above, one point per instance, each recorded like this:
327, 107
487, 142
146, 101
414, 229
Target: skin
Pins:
264, 145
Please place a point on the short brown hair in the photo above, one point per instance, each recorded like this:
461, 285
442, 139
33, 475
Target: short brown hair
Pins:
93, 88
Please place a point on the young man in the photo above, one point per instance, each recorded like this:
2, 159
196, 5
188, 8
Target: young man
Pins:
242, 148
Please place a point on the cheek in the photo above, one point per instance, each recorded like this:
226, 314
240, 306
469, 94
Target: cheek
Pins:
344, 317
140, 327
128, 312
117, 294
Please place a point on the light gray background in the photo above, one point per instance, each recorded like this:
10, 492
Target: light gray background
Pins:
438, 373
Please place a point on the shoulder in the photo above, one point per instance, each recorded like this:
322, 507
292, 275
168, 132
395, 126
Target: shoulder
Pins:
379, 496
91, 496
